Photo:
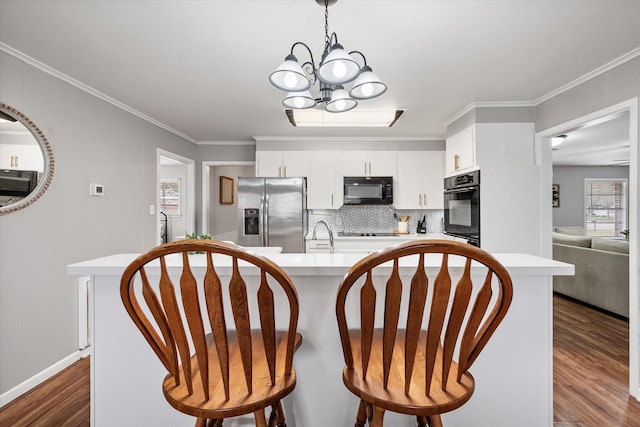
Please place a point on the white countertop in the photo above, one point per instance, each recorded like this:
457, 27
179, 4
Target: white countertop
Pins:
327, 264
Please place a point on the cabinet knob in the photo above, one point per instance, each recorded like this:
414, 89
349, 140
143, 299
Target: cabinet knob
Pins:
456, 161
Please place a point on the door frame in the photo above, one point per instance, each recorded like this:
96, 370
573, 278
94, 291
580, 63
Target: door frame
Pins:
544, 160
190, 189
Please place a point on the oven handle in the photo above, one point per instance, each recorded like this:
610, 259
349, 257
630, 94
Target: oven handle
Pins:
462, 190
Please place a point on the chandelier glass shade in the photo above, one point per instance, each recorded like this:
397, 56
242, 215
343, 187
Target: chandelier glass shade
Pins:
336, 69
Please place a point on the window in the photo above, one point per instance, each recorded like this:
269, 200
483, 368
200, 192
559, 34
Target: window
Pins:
606, 206
170, 196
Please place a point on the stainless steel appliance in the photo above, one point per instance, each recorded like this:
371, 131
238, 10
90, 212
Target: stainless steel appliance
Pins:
462, 206
272, 212
370, 190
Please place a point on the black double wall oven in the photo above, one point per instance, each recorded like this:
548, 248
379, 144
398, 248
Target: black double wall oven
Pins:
462, 206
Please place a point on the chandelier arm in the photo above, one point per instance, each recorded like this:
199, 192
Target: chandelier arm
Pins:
309, 66
361, 54
334, 38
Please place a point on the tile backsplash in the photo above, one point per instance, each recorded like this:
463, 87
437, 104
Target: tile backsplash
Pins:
377, 219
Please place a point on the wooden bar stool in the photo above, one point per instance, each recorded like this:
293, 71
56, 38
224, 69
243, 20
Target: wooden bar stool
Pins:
221, 363
410, 369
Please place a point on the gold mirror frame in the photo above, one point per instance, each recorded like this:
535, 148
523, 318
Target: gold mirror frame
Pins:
47, 153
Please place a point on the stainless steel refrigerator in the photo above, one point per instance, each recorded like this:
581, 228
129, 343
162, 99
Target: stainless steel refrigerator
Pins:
272, 212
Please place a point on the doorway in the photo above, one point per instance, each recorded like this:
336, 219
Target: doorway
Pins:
544, 159
175, 196
219, 219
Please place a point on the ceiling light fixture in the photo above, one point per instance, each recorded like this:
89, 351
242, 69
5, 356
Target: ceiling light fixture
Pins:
336, 69
354, 118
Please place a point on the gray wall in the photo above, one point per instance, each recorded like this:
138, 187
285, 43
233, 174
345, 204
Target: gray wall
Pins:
612, 87
571, 180
93, 142
223, 223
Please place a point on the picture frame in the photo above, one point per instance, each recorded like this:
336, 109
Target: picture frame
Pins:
226, 190
555, 188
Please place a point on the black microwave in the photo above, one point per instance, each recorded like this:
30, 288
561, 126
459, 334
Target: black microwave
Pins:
371, 190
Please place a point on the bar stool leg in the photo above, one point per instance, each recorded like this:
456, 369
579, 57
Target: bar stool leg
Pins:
361, 417
378, 415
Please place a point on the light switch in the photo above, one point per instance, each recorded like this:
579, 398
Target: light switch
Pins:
152, 209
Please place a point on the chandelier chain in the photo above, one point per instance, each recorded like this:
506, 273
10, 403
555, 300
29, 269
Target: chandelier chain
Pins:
327, 40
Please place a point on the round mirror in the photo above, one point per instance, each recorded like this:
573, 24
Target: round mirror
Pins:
26, 161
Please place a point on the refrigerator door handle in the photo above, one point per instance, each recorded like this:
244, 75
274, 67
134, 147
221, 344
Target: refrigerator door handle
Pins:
265, 222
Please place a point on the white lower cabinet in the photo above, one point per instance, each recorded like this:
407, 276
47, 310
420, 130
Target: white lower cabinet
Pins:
420, 180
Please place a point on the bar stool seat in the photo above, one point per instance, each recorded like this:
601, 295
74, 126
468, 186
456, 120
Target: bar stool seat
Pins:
223, 359
400, 357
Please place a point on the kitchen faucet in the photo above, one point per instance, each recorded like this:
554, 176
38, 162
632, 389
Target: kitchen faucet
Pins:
313, 237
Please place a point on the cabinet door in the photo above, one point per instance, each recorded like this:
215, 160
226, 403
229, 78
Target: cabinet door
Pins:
433, 180
352, 163
420, 182
382, 163
21, 157
269, 163
322, 184
295, 163
461, 150
282, 163
367, 163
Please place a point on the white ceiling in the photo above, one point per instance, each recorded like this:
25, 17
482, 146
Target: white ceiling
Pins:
600, 143
201, 67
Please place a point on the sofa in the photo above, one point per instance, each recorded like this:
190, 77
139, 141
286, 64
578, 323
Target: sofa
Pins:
601, 269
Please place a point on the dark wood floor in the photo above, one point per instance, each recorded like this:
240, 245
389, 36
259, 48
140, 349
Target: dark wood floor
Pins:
591, 368
590, 378
63, 400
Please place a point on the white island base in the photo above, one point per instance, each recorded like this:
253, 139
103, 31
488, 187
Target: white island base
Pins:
513, 374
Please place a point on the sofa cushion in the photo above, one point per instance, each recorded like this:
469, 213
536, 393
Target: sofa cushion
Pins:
573, 231
567, 239
612, 245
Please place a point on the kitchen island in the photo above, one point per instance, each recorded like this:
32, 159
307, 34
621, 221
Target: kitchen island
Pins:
513, 374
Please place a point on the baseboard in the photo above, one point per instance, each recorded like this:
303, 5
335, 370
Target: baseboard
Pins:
42, 376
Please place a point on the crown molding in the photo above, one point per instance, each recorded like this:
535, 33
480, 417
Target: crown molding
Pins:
590, 75
474, 105
347, 138
88, 89
226, 143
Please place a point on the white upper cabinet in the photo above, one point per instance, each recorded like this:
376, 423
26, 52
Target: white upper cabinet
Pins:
21, 157
282, 163
420, 182
461, 151
367, 163
323, 189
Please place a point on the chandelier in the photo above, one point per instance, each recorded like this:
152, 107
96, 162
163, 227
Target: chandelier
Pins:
336, 69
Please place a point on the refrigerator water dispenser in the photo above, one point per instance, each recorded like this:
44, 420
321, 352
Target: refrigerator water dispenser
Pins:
251, 221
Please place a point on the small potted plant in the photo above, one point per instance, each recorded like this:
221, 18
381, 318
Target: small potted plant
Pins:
188, 236
625, 233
